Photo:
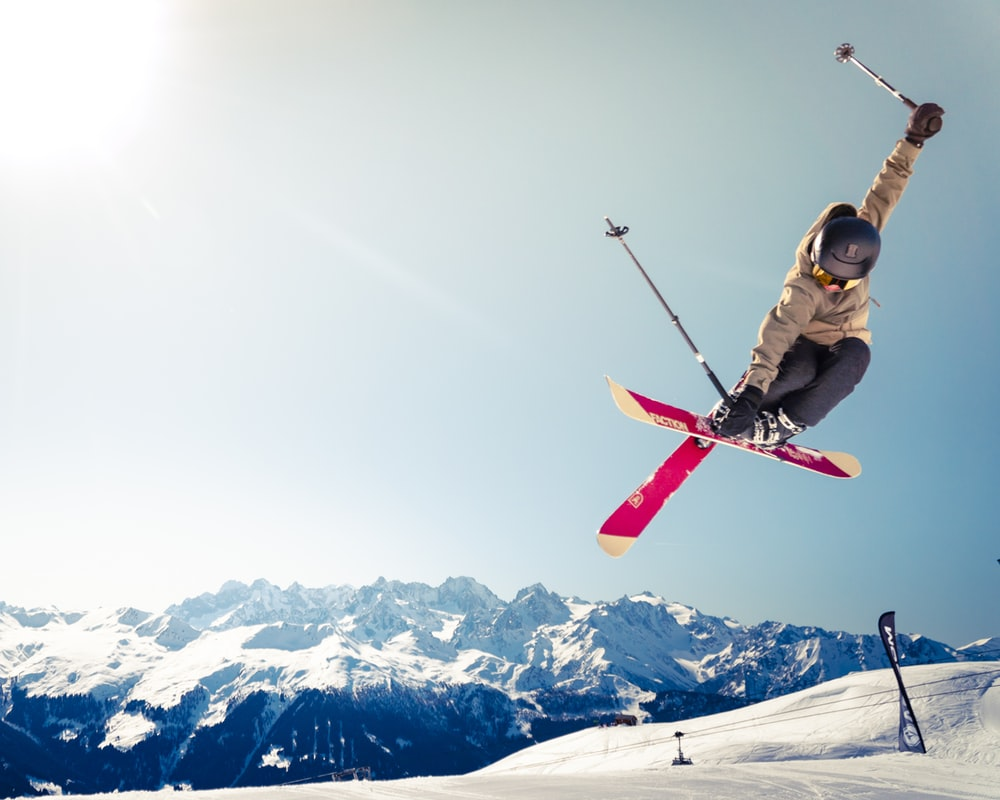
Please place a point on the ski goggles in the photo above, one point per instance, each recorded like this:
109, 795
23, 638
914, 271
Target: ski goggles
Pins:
830, 283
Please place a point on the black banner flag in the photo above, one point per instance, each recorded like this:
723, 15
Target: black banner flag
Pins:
910, 739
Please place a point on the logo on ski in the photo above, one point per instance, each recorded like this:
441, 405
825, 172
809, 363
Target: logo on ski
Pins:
668, 422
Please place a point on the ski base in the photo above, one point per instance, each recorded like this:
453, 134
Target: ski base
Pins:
645, 409
621, 530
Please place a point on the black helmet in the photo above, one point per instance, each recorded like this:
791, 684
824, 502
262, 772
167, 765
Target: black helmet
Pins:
846, 248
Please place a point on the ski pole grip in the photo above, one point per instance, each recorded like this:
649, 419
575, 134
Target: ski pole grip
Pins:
933, 124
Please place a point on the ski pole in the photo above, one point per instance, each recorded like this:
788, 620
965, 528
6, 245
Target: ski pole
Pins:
845, 54
618, 233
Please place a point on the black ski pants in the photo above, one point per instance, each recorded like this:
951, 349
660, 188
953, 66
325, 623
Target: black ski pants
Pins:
814, 378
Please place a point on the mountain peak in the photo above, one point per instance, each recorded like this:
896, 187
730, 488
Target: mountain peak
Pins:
230, 666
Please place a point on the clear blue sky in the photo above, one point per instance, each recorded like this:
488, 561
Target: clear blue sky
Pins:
318, 292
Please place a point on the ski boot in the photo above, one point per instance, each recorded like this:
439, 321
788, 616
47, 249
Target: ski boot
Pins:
772, 430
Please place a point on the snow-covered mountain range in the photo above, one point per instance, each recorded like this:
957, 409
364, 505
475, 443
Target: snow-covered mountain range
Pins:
258, 685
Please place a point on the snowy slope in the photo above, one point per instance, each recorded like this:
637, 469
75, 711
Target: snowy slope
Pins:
957, 708
834, 741
407, 679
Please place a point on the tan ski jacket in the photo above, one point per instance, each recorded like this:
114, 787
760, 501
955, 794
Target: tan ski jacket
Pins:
806, 308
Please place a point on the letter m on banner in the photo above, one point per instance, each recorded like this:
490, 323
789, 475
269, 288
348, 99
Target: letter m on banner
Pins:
910, 739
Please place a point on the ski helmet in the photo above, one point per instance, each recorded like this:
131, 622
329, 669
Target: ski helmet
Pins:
846, 248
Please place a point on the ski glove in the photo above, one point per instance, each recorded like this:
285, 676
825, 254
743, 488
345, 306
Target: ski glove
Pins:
741, 412
924, 122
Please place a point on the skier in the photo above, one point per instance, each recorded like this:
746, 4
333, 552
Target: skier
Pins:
813, 346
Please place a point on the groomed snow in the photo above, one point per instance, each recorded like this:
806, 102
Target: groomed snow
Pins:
836, 740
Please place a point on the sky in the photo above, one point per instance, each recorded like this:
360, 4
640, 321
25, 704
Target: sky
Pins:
318, 292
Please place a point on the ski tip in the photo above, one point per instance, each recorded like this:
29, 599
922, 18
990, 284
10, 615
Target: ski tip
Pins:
614, 546
626, 402
845, 462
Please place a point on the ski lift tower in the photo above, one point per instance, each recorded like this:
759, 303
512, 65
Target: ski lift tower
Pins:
680, 759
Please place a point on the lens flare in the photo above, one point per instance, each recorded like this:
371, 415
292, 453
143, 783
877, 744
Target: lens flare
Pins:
73, 75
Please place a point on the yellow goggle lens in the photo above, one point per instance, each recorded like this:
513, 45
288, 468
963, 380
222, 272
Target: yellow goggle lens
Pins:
830, 282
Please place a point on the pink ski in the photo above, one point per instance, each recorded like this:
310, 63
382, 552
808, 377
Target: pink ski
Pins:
645, 409
622, 528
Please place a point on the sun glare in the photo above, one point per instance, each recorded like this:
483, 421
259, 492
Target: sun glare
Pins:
73, 75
